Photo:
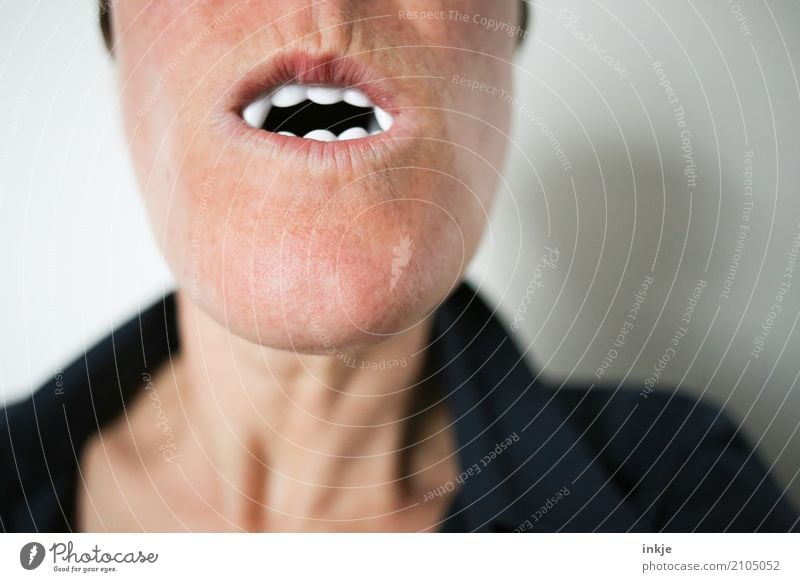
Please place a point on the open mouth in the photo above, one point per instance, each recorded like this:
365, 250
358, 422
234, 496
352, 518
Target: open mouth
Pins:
317, 112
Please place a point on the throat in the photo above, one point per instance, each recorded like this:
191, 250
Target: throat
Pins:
374, 479
282, 441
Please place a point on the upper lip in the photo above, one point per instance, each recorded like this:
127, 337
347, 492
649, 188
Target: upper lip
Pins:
307, 69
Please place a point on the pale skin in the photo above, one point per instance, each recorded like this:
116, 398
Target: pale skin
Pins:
274, 416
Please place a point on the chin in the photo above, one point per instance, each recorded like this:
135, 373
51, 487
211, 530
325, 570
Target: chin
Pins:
334, 267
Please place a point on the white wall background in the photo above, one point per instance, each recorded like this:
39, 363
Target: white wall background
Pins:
76, 255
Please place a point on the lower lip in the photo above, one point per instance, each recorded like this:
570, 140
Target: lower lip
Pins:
367, 151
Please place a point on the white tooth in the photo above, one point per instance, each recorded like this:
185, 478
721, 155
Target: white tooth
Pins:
324, 95
320, 135
289, 96
384, 119
256, 113
356, 98
287, 133
353, 133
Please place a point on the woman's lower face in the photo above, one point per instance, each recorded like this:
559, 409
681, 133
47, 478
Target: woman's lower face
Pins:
318, 174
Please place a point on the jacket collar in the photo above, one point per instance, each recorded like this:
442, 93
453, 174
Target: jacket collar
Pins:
546, 479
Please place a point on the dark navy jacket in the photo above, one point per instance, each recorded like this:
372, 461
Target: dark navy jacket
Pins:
532, 457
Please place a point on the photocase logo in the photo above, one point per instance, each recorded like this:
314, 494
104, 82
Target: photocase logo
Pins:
31, 555
402, 255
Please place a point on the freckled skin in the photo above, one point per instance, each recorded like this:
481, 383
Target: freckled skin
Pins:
295, 251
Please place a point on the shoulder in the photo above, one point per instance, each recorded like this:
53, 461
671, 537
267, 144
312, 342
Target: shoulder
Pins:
680, 460
34, 462
42, 437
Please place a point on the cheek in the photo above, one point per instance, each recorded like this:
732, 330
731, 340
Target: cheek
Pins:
476, 92
480, 102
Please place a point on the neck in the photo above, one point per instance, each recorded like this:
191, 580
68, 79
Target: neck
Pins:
320, 437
